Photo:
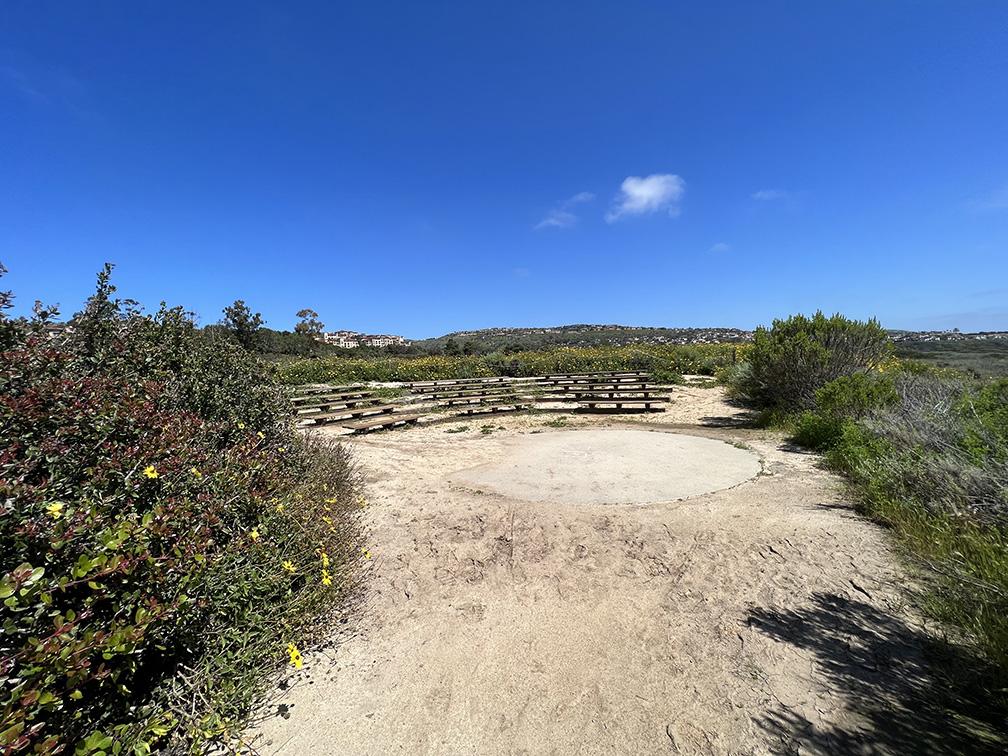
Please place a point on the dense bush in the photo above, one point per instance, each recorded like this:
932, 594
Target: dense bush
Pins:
164, 533
792, 360
844, 400
665, 363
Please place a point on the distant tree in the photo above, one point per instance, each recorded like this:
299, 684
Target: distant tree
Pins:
452, 348
309, 324
242, 324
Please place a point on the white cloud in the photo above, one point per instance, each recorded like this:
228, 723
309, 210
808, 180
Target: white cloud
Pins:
719, 247
559, 219
770, 194
561, 216
647, 194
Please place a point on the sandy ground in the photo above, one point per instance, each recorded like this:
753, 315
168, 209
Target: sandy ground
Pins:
761, 618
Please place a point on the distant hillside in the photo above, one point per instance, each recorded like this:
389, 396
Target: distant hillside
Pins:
492, 339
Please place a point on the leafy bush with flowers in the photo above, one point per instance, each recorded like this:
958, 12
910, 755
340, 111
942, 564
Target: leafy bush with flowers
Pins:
167, 538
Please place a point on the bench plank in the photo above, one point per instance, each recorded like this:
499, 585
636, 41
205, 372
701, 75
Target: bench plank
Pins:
385, 421
452, 400
489, 409
306, 401
370, 410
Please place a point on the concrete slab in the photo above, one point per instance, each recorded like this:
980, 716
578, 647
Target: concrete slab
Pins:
611, 467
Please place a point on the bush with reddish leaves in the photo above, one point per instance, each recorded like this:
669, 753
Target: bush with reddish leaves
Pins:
164, 533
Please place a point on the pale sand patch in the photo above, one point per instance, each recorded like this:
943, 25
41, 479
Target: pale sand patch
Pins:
741, 621
614, 466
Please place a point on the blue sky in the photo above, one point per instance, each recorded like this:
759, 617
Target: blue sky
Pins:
420, 168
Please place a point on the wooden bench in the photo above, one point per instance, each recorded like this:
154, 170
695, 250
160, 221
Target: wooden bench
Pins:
491, 409
454, 382
639, 393
620, 404
385, 421
345, 403
479, 399
600, 386
613, 375
371, 409
454, 385
318, 399
581, 381
303, 392
495, 391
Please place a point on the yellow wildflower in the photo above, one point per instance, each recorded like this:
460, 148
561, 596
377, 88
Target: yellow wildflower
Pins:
260, 434
196, 472
288, 565
295, 655
150, 472
55, 509
254, 535
241, 426
326, 580
367, 554
280, 507
325, 559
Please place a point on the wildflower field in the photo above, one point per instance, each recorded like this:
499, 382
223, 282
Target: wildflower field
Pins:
666, 364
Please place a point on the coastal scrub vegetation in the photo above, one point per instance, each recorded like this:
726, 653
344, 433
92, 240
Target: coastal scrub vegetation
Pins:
924, 449
790, 361
168, 540
665, 363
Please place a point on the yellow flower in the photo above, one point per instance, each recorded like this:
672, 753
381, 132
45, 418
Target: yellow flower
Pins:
325, 559
280, 507
280, 449
288, 565
241, 426
55, 509
260, 434
196, 472
254, 535
367, 554
295, 655
150, 472
326, 580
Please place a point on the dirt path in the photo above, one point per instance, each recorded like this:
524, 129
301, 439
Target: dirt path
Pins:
754, 620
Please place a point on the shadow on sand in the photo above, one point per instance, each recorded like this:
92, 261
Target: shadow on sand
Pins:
894, 673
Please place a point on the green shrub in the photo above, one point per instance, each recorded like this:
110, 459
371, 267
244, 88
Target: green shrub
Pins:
164, 531
986, 437
796, 357
931, 466
844, 400
817, 431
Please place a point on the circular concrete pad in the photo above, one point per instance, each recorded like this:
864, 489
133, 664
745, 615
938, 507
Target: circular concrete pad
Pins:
611, 467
